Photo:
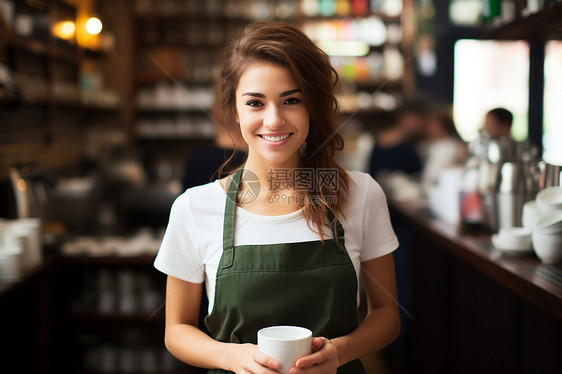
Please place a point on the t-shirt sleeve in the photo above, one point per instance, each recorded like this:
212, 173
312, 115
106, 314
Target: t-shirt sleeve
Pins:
178, 255
379, 238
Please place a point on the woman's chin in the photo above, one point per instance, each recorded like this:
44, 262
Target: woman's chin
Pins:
279, 159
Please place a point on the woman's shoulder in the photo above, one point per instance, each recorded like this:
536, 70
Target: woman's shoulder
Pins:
205, 194
361, 179
363, 190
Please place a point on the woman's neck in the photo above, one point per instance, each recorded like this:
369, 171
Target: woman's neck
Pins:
267, 171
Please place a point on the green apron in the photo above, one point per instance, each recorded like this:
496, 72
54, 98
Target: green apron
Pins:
306, 284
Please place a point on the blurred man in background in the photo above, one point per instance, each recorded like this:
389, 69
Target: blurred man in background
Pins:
498, 123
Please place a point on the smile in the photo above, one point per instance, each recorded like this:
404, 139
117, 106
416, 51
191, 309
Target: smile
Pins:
275, 138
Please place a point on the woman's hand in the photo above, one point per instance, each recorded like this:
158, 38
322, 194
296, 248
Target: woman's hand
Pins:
249, 360
323, 360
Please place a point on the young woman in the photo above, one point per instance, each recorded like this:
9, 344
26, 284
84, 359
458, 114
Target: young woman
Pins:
284, 240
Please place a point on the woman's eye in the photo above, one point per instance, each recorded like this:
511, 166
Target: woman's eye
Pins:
254, 103
292, 100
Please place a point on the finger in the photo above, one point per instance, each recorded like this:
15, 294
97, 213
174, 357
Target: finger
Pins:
308, 361
257, 368
320, 355
264, 360
316, 369
317, 344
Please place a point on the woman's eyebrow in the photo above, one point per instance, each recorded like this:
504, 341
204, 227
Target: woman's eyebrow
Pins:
287, 93
283, 94
256, 94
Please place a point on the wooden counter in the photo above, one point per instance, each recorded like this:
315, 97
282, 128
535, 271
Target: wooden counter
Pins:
473, 309
539, 283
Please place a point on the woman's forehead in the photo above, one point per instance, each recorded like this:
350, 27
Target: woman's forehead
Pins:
265, 75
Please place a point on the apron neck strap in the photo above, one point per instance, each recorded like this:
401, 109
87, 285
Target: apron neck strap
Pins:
230, 210
230, 215
339, 229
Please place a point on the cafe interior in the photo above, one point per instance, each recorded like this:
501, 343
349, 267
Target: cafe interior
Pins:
105, 105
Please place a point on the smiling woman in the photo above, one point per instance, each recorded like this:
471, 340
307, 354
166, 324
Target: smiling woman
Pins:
282, 258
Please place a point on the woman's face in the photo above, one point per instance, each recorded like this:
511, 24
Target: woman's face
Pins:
269, 108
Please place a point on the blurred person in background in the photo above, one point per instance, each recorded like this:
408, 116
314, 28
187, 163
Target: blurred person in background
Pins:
497, 123
396, 159
445, 147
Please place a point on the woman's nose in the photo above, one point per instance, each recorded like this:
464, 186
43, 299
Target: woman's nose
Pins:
273, 117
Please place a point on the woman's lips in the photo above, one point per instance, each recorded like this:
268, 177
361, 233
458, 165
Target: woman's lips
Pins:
275, 139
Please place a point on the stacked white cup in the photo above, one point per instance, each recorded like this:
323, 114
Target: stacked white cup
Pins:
20, 247
10, 254
547, 228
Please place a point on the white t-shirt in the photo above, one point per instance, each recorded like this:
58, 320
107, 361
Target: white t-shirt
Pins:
192, 245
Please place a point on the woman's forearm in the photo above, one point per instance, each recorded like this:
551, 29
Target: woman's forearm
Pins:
380, 328
189, 344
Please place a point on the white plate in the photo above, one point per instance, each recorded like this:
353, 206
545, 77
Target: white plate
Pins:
511, 250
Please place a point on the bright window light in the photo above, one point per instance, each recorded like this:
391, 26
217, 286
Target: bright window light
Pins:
490, 74
552, 109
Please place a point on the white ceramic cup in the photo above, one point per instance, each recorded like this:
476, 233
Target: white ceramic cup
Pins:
286, 344
531, 214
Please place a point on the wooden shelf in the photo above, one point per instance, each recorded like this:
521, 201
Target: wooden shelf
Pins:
377, 83
92, 53
543, 25
202, 45
183, 17
379, 14
145, 77
39, 47
173, 110
174, 139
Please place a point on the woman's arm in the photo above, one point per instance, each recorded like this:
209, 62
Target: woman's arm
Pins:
380, 327
192, 346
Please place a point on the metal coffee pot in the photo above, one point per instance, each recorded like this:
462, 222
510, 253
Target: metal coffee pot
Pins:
508, 177
517, 184
550, 175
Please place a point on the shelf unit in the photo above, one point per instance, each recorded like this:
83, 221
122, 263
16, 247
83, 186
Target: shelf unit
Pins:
42, 106
543, 25
112, 316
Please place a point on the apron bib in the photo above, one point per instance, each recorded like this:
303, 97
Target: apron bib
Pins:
306, 284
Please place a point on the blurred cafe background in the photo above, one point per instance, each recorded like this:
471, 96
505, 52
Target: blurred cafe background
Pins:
453, 106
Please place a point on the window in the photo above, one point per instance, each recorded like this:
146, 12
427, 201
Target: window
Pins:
490, 74
552, 121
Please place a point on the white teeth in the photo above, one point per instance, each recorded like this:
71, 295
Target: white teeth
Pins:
275, 138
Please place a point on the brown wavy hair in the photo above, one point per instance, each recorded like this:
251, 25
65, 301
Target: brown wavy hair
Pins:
284, 44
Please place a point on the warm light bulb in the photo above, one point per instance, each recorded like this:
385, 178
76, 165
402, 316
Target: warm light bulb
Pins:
64, 30
93, 26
